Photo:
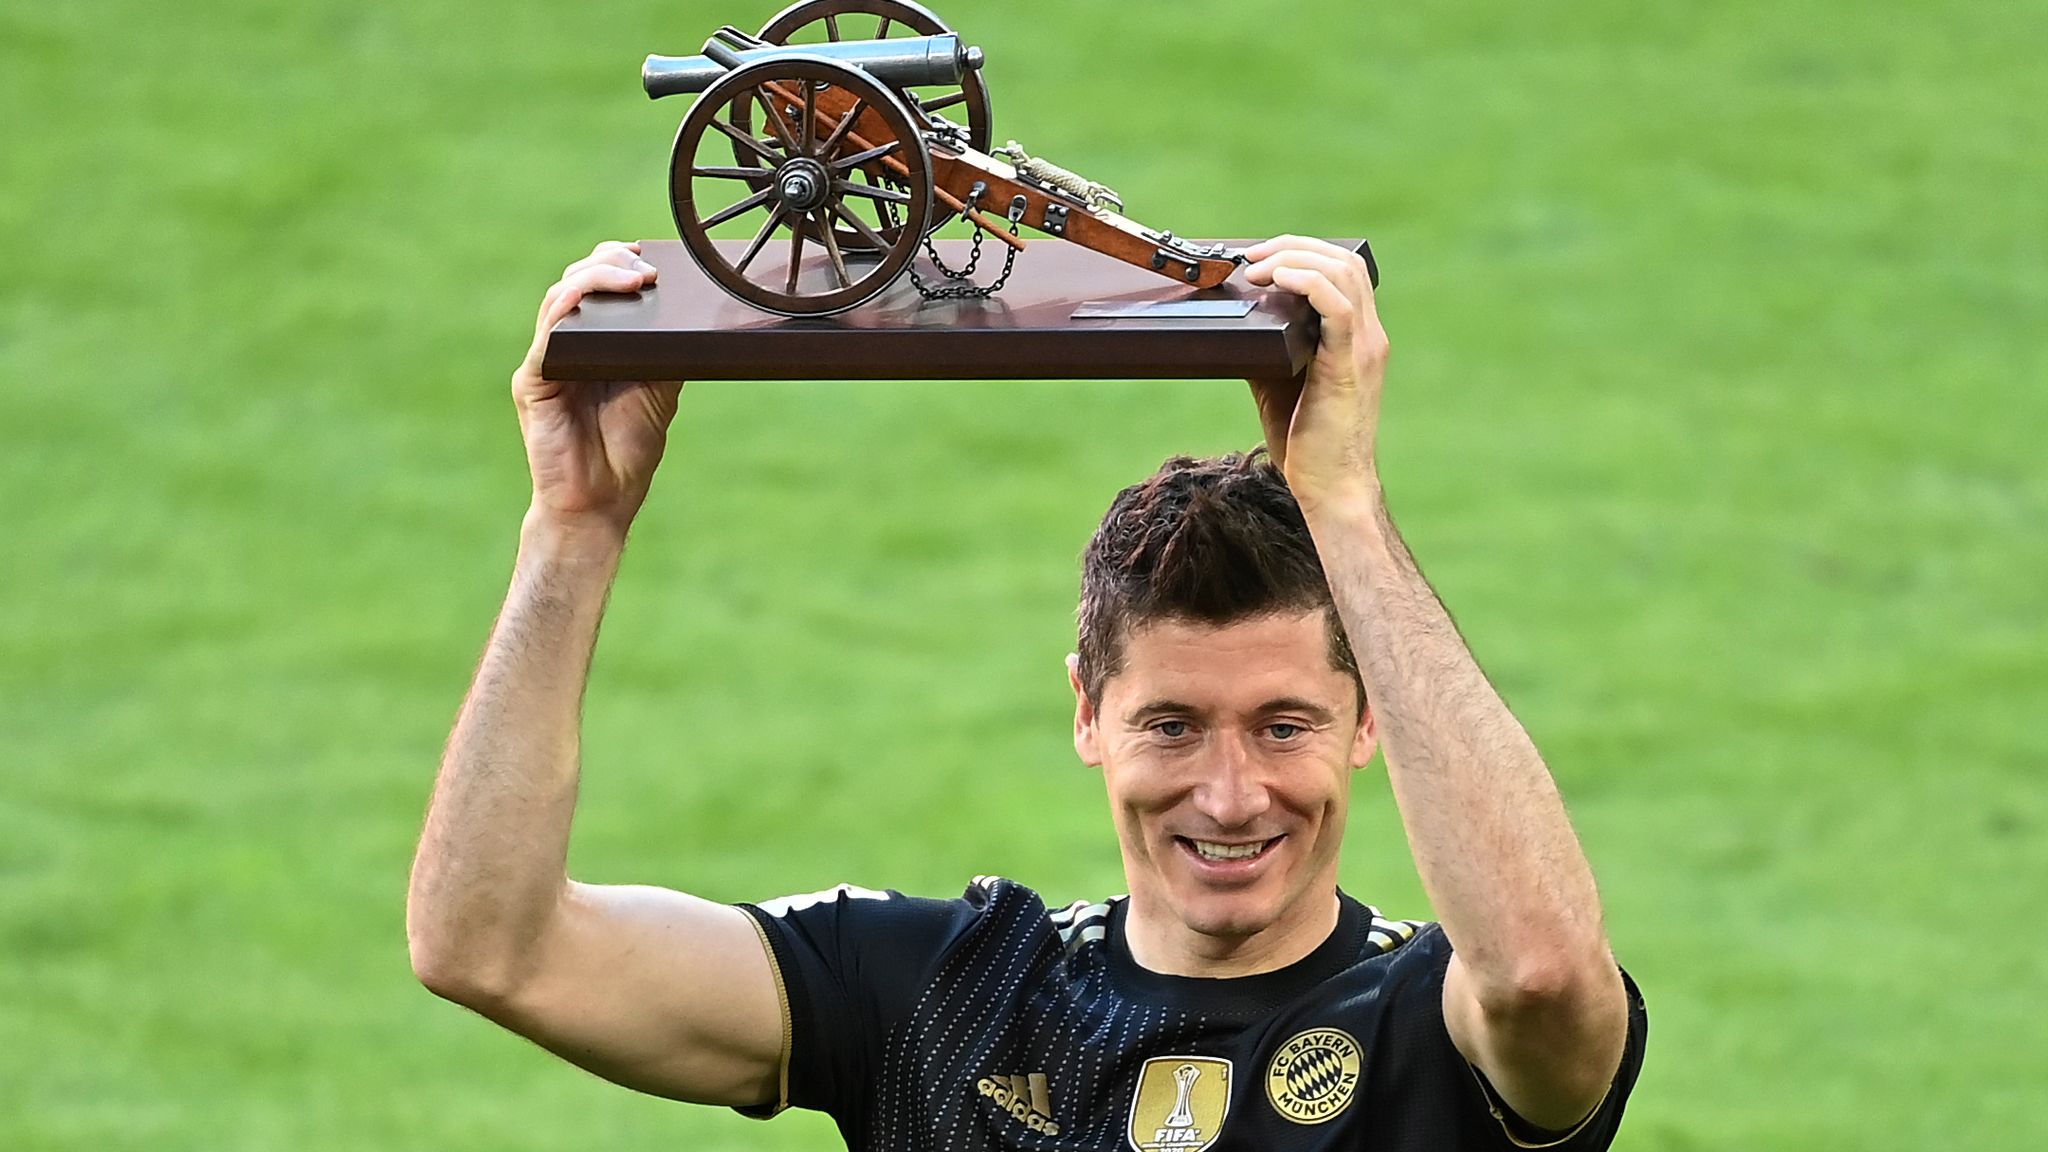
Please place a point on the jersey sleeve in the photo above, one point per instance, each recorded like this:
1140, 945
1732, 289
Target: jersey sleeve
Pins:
849, 965
1418, 1009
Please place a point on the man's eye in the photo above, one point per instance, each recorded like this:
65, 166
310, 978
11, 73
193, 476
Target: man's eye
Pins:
1171, 729
1285, 731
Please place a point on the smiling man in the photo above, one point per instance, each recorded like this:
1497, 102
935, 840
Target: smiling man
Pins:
1252, 629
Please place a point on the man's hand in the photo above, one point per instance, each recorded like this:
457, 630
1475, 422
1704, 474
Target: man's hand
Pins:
1322, 427
655, 989
592, 446
1531, 997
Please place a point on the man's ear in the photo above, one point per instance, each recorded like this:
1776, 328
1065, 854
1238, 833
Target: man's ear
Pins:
1366, 739
1086, 745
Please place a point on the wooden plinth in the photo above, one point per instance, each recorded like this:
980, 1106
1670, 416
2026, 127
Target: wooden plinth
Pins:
687, 328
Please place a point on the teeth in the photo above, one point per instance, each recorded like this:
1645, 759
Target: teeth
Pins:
1211, 851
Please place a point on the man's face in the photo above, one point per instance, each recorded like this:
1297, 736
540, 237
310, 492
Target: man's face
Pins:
1228, 753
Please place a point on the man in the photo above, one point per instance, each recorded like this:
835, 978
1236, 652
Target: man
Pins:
1251, 629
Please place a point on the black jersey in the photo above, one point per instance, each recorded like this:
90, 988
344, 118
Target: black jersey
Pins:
990, 1022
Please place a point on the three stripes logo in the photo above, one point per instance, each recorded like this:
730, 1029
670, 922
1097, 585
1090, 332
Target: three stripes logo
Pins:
1314, 1075
1028, 1099
1387, 935
1080, 923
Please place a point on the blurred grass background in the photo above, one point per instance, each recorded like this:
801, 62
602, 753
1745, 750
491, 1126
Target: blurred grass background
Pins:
1715, 415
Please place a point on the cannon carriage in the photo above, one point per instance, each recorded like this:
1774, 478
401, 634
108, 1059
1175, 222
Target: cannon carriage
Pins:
823, 136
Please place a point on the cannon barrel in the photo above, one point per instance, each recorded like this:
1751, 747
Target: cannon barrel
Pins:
904, 62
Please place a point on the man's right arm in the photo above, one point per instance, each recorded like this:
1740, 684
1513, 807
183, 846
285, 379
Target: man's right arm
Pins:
654, 989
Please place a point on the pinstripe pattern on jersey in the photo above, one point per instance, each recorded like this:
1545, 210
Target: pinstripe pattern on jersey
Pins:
1031, 988
1013, 989
1028, 989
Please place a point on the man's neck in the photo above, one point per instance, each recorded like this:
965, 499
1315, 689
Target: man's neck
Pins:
1161, 943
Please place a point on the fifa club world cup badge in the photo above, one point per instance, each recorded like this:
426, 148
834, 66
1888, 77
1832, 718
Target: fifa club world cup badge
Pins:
1313, 1076
1180, 1103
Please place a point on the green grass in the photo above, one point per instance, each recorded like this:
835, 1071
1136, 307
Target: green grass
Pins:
1714, 415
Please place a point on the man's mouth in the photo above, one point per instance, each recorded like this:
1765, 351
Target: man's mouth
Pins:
1226, 852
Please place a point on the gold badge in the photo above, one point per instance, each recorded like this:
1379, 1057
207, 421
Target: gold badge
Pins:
1180, 1103
1314, 1075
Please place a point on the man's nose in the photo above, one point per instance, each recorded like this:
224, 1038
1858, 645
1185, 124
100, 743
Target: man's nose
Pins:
1234, 793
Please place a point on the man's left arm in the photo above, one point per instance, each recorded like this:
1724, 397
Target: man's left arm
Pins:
1532, 996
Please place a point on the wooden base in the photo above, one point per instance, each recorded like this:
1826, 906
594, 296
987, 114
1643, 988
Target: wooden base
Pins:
687, 328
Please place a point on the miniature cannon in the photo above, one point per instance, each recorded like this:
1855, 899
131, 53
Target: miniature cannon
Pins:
858, 159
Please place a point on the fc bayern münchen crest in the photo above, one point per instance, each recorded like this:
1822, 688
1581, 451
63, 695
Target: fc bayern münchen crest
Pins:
1313, 1076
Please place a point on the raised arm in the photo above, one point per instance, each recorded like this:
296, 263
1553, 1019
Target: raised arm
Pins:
1532, 996
654, 989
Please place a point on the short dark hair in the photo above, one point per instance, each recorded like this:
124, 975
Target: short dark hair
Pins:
1210, 541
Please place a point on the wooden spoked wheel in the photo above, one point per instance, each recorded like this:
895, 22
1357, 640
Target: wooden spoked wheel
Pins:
810, 159
822, 21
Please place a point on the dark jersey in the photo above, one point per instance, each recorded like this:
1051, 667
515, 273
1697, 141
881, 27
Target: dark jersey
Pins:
990, 1022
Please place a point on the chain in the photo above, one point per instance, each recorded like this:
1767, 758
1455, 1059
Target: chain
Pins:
961, 288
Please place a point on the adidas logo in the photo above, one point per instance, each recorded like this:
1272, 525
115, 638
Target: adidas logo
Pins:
1028, 1099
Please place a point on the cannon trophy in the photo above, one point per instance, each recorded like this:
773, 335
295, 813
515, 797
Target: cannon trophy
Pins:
838, 140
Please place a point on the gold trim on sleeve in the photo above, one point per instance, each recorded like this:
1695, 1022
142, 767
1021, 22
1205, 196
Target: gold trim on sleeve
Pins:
1495, 1105
788, 1025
